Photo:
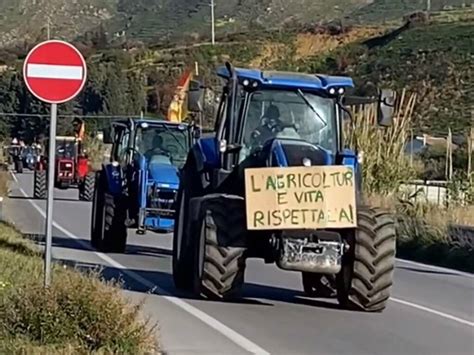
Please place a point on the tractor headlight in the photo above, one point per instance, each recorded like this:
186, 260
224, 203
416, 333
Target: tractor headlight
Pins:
336, 91
246, 83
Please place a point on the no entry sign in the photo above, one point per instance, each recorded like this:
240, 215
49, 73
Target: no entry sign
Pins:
55, 71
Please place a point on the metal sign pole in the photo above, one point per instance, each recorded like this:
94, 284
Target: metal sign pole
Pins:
50, 201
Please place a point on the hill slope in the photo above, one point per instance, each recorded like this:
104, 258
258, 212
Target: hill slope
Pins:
161, 20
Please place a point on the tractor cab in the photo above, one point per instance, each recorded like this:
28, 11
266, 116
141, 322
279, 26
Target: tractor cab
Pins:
142, 178
268, 118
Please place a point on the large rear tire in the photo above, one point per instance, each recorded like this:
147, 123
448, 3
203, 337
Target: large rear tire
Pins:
19, 166
86, 190
39, 191
114, 229
182, 251
221, 247
366, 278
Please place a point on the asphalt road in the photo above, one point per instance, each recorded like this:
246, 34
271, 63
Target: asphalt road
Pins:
431, 312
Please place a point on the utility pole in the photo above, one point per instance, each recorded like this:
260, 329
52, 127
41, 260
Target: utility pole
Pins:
428, 6
48, 29
213, 24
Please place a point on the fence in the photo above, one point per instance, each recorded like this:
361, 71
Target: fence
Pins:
427, 191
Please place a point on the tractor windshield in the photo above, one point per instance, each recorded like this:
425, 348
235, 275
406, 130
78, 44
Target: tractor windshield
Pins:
291, 115
65, 149
163, 144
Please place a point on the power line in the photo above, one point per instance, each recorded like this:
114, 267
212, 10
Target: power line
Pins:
65, 116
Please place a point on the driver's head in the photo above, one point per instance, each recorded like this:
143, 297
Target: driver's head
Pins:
273, 113
157, 142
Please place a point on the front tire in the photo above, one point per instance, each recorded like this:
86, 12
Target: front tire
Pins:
114, 230
97, 215
39, 191
366, 278
182, 252
19, 166
86, 191
220, 248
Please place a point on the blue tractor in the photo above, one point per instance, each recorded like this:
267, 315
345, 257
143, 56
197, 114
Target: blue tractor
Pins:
138, 187
279, 120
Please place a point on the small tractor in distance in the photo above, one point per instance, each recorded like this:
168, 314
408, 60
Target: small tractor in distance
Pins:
270, 184
72, 169
138, 188
15, 157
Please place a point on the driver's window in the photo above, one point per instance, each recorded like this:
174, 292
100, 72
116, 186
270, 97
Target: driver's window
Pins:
120, 149
123, 151
221, 112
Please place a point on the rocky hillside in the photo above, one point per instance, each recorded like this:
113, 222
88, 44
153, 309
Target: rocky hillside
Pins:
169, 20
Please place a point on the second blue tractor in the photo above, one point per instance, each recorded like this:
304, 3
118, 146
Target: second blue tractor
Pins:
138, 187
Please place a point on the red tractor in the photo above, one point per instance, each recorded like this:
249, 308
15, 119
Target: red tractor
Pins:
72, 170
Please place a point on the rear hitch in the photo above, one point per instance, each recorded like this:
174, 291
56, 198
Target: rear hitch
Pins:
320, 252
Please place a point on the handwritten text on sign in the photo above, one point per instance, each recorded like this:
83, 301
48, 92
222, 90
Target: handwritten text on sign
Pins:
300, 197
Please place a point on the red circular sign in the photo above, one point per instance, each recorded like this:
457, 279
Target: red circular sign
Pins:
55, 71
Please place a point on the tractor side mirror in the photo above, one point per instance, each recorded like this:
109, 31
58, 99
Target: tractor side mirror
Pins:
108, 135
195, 96
386, 107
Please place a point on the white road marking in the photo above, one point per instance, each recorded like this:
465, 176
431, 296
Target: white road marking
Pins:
49, 71
229, 333
436, 268
433, 311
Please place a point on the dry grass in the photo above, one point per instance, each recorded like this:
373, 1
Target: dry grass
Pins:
309, 44
78, 314
385, 165
95, 150
463, 215
4, 178
424, 232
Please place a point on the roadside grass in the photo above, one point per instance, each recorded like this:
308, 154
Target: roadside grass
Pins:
77, 314
4, 177
425, 231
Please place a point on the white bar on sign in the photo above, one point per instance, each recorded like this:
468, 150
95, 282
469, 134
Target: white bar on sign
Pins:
49, 71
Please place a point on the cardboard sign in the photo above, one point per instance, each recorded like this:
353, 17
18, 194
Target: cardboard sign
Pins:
313, 197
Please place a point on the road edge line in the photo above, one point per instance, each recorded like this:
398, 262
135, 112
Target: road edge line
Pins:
433, 311
436, 268
221, 328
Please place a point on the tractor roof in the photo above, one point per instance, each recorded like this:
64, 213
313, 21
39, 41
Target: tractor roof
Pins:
288, 80
151, 122
67, 138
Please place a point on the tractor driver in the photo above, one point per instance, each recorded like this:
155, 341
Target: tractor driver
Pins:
268, 125
272, 126
157, 148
